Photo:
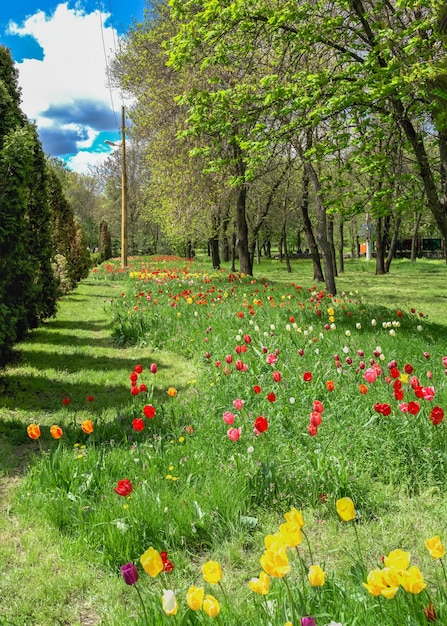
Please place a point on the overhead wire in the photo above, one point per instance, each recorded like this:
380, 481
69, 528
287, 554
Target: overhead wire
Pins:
106, 58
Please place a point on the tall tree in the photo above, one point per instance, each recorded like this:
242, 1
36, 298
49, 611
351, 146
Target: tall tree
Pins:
27, 285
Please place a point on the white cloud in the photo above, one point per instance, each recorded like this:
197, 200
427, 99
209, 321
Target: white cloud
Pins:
73, 71
83, 160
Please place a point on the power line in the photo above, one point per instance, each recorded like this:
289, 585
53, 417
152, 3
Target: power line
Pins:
107, 63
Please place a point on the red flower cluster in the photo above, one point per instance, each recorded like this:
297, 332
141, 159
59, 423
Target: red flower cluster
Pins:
383, 408
315, 418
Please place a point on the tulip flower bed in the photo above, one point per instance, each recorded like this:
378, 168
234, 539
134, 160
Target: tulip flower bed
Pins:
258, 492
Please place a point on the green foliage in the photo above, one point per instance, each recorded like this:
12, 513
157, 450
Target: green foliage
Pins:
200, 495
67, 236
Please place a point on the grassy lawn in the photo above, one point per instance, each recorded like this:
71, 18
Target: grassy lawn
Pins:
60, 550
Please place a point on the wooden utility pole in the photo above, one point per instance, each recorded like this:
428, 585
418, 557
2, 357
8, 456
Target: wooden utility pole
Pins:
123, 191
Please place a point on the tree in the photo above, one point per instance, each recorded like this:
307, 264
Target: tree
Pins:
27, 285
69, 245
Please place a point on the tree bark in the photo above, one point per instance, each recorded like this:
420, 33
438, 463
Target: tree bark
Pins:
436, 205
215, 255
341, 244
391, 251
380, 247
330, 236
322, 239
414, 238
245, 264
307, 225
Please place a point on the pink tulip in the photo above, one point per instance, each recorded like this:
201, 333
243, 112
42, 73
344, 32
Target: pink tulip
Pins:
444, 361
228, 418
234, 433
428, 393
238, 404
370, 375
271, 359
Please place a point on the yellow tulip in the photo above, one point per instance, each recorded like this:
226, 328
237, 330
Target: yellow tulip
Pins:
291, 534
195, 597
435, 547
391, 580
295, 516
412, 580
316, 576
273, 542
211, 606
345, 509
260, 585
212, 572
275, 562
397, 559
151, 562
169, 602
374, 582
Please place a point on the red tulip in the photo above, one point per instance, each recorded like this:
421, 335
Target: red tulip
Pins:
261, 424
138, 424
124, 487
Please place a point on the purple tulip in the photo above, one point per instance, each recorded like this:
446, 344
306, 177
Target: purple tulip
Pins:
308, 621
130, 573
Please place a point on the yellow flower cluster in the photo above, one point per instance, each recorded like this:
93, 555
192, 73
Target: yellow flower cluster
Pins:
196, 599
396, 573
275, 562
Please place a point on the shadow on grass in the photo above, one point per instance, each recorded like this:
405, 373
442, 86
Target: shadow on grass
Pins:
69, 340
34, 393
63, 324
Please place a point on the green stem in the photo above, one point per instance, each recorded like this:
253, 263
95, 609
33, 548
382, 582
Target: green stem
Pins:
292, 604
359, 550
308, 547
443, 569
142, 604
223, 593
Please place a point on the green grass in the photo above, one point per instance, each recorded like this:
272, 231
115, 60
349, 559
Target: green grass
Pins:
197, 494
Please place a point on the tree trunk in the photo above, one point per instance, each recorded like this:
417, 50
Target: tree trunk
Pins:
214, 248
414, 238
391, 251
307, 225
267, 248
341, 245
233, 252
322, 239
330, 238
436, 205
380, 247
284, 240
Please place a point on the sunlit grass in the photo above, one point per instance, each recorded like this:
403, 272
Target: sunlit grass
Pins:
201, 496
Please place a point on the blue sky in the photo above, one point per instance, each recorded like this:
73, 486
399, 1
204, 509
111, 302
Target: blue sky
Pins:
61, 50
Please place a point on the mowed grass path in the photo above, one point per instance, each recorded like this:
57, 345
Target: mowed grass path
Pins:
70, 356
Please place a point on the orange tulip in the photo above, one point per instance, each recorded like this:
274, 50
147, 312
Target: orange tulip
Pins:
87, 426
56, 432
33, 431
